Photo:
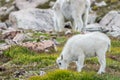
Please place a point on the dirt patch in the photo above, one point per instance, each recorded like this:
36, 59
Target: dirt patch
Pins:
4, 59
114, 57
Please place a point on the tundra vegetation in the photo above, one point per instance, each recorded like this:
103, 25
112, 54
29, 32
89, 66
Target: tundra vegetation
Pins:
19, 60
22, 63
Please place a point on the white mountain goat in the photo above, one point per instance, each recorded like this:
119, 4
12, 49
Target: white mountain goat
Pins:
75, 11
83, 46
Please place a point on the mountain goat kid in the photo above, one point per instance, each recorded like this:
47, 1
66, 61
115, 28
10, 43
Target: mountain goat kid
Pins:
82, 46
75, 11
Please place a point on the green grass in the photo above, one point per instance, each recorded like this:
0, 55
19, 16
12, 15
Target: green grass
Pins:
2, 41
36, 37
70, 75
88, 75
64, 75
22, 56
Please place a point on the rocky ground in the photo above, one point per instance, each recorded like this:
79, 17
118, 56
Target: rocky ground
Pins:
29, 47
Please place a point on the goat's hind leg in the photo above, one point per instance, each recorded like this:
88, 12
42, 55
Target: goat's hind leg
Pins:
58, 18
86, 15
102, 61
78, 23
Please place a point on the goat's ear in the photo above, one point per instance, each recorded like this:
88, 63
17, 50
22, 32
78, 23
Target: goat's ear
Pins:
61, 57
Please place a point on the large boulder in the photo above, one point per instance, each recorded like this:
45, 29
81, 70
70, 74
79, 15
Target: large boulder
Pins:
35, 19
24, 4
96, 27
112, 23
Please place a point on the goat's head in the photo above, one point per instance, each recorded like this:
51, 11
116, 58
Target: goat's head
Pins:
61, 62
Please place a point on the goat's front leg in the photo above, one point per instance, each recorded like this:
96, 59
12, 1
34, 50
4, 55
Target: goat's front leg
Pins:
80, 62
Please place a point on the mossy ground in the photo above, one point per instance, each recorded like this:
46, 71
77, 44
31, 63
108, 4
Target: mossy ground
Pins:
102, 11
90, 69
6, 4
17, 58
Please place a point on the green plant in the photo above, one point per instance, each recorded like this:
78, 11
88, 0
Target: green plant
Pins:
22, 55
65, 75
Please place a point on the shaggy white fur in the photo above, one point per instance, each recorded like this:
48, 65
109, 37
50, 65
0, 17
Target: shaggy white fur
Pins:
83, 46
75, 11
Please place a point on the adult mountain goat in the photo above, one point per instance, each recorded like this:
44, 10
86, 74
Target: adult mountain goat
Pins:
75, 11
83, 46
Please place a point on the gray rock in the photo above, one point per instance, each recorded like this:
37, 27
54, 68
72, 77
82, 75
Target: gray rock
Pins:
115, 34
68, 33
10, 42
42, 73
8, 23
10, 33
24, 4
7, 1
19, 38
3, 26
4, 46
93, 27
96, 27
35, 19
40, 46
112, 23
100, 4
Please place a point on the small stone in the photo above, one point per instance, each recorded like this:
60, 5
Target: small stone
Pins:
4, 46
47, 51
7, 1
1, 52
3, 26
103, 3
68, 33
2, 69
42, 73
10, 42
19, 38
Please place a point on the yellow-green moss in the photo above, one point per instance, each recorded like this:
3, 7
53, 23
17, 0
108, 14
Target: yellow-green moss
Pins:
64, 75
22, 55
69, 75
114, 1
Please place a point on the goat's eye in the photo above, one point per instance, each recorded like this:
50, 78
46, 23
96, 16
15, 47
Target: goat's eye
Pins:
59, 63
